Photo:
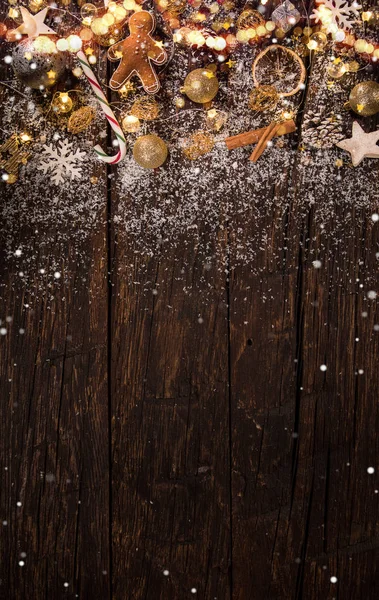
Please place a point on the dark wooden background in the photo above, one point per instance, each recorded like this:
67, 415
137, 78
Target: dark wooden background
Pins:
216, 450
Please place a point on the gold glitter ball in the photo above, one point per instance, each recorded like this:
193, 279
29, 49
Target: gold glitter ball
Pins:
201, 85
150, 151
364, 98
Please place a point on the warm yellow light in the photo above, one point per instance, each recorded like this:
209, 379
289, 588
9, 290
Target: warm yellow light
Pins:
74, 43
220, 43
261, 30
62, 45
44, 44
108, 19
366, 16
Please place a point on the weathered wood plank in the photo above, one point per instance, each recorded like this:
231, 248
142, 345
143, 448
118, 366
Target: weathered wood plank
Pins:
54, 442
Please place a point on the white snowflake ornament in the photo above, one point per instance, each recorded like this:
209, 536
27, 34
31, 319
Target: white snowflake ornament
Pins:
340, 13
61, 162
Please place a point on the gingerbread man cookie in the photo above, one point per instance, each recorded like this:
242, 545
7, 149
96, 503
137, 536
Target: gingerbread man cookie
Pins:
137, 53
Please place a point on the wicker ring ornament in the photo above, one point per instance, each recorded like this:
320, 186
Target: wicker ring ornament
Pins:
280, 68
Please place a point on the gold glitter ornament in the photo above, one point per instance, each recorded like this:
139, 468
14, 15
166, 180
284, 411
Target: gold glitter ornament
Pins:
201, 85
263, 97
81, 119
145, 108
364, 98
250, 19
198, 144
150, 151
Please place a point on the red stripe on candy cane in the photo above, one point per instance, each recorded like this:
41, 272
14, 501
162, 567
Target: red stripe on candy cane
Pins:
103, 102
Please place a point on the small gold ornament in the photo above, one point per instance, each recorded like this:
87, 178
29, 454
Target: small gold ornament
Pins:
198, 144
88, 12
336, 69
216, 119
61, 103
81, 119
352, 67
150, 151
36, 5
201, 85
364, 98
145, 108
131, 124
126, 89
263, 97
317, 41
250, 19
12, 155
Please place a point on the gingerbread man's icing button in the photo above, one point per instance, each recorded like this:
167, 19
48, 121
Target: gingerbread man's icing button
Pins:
137, 53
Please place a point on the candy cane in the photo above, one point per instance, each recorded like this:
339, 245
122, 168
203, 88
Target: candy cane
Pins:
112, 160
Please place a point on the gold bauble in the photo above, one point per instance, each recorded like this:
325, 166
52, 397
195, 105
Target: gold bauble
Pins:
61, 103
364, 98
263, 97
201, 85
150, 151
250, 19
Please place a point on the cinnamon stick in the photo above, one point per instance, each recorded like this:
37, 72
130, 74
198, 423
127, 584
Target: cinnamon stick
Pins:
266, 137
252, 137
244, 139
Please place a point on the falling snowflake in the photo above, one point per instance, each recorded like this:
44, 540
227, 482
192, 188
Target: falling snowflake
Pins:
61, 162
338, 12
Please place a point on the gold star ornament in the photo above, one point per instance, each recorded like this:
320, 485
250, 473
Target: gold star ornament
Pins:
33, 25
361, 144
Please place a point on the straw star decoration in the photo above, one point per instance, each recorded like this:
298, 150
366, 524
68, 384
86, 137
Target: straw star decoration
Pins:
361, 144
33, 25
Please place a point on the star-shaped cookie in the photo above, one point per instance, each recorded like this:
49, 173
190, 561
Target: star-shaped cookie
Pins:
361, 144
33, 25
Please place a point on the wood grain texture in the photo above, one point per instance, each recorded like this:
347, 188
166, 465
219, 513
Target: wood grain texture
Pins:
168, 412
54, 440
170, 427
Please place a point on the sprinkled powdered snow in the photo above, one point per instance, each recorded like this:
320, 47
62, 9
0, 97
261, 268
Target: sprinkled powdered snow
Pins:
183, 203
